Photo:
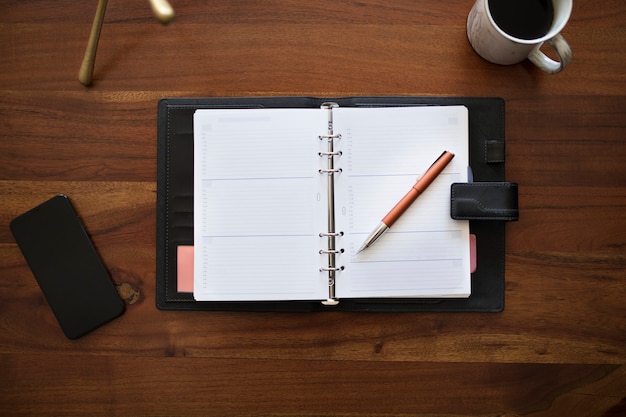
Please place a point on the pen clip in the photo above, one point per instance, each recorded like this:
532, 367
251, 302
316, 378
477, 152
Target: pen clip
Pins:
437, 160
420, 175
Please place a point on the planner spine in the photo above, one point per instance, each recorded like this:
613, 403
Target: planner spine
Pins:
331, 234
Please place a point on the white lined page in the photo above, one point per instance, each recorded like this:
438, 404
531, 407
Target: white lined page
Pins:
259, 205
425, 253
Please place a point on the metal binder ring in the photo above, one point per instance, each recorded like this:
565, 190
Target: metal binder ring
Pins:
329, 137
335, 153
329, 170
323, 251
332, 268
331, 234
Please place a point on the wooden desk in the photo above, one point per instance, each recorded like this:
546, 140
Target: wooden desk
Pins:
559, 347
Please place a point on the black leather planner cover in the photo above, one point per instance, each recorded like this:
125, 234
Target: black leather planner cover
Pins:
175, 202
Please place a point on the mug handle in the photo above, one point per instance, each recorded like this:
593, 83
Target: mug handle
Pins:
561, 48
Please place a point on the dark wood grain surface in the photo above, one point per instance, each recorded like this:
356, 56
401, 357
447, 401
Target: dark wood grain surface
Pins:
558, 348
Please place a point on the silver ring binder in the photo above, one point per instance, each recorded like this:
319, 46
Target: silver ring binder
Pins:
331, 251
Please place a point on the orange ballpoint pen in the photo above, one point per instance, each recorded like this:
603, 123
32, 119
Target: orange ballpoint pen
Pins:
422, 183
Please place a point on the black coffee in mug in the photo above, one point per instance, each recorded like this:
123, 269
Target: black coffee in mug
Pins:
523, 19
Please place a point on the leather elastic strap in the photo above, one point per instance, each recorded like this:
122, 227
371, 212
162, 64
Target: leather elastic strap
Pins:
484, 201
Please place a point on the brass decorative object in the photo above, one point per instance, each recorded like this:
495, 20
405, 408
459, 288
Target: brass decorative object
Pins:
161, 9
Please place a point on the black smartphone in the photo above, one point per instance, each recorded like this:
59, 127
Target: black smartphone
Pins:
67, 267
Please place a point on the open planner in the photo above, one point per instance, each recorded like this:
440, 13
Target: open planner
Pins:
285, 197
264, 203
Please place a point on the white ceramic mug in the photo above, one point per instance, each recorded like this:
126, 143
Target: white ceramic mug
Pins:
495, 45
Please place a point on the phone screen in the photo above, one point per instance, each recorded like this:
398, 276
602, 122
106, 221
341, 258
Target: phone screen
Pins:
67, 267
